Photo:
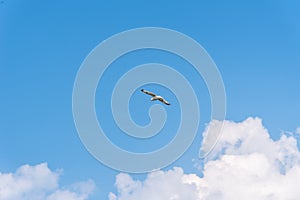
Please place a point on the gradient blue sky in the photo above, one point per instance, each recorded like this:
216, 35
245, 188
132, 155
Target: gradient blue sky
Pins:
255, 44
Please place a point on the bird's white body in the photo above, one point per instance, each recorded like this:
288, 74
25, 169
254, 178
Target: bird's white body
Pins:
156, 98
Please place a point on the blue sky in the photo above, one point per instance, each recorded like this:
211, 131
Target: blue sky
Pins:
255, 44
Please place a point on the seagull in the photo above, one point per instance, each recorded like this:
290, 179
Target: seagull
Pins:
155, 97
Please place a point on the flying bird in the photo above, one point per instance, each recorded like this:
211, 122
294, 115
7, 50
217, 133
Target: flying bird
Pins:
155, 97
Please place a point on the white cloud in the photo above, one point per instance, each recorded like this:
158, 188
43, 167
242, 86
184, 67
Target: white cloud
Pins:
159, 185
298, 130
39, 183
245, 164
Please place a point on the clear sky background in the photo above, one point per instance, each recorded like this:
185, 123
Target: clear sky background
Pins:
255, 44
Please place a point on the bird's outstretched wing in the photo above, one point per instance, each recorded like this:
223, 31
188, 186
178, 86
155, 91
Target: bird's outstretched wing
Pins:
164, 101
149, 93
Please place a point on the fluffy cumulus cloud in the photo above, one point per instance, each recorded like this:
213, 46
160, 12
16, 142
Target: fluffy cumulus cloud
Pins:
40, 183
298, 130
170, 185
245, 164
